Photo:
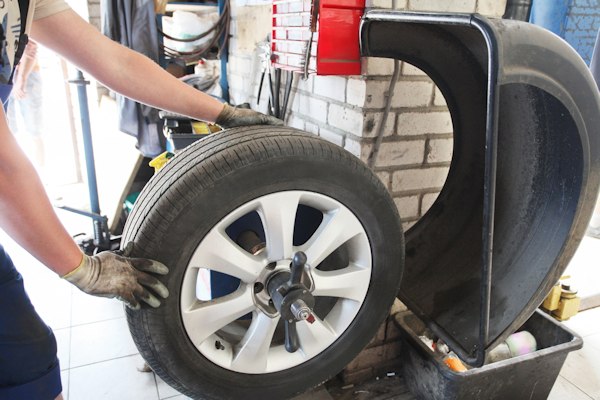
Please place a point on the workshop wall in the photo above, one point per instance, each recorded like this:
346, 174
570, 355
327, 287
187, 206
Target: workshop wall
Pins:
416, 150
582, 25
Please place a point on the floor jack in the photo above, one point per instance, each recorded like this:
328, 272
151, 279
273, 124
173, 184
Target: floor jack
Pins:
102, 238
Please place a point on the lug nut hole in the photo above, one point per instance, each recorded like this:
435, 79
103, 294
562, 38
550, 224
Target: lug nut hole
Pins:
258, 287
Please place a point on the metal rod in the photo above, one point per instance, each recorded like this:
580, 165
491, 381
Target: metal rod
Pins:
88, 147
223, 82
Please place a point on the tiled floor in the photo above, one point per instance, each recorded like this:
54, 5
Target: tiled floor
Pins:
99, 360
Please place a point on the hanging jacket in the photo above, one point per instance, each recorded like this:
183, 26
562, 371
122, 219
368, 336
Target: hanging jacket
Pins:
132, 23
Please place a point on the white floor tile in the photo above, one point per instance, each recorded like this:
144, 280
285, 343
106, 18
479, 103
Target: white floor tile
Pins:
63, 342
100, 341
64, 377
116, 379
585, 323
563, 389
89, 309
582, 369
583, 268
593, 340
164, 390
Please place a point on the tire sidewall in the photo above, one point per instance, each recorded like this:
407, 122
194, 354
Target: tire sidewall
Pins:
367, 199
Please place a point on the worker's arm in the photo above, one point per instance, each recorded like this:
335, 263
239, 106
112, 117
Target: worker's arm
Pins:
25, 211
133, 74
23, 70
28, 217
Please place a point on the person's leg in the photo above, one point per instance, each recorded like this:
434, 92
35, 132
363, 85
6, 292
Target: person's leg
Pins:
29, 368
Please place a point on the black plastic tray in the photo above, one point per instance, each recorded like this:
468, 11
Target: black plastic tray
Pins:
530, 376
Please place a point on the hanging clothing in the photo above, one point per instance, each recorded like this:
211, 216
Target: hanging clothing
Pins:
132, 23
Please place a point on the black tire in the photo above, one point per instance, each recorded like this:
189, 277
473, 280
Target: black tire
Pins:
202, 185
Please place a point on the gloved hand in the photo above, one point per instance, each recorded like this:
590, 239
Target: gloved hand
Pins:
232, 116
113, 274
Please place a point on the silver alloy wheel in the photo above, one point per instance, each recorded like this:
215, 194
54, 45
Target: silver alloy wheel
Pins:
218, 327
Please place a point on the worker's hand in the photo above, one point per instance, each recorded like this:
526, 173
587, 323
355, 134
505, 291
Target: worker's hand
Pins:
232, 116
113, 274
19, 89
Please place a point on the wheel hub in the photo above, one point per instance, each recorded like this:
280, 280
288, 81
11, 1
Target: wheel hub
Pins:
292, 298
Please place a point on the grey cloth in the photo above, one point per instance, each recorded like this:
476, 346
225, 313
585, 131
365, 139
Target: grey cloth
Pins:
132, 23
595, 64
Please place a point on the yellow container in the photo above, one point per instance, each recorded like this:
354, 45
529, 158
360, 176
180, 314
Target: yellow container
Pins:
203, 128
160, 161
553, 298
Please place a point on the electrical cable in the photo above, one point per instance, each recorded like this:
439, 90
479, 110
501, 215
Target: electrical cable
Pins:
221, 32
381, 129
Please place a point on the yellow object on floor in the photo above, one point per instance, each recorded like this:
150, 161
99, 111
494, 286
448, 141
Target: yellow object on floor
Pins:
160, 161
203, 128
553, 298
568, 305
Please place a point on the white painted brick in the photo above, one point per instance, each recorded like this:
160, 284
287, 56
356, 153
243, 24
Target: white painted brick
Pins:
440, 150
305, 85
295, 122
384, 177
392, 154
346, 119
415, 179
356, 92
411, 70
412, 94
438, 98
444, 5
401, 4
377, 66
332, 137
408, 207
491, 8
355, 147
424, 123
406, 93
312, 128
333, 87
296, 100
313, 108
372, 121
376, 93
235, 80
378, 4
427, 201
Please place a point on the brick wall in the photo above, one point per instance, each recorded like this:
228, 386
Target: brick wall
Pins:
582, 25
416, 149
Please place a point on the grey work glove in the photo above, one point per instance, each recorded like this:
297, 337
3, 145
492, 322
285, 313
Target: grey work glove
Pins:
110, 274
231, 117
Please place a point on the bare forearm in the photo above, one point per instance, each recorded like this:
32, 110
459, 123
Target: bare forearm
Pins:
121, 69
26, 213
28, 61
138, 77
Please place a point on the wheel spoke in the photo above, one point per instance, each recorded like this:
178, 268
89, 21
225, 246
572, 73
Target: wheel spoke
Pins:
278, 215
253, 351
218, 252
351, 282
315, 337
205, 318
337, 228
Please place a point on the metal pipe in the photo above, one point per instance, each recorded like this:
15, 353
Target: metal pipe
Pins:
518, 10
88, 148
